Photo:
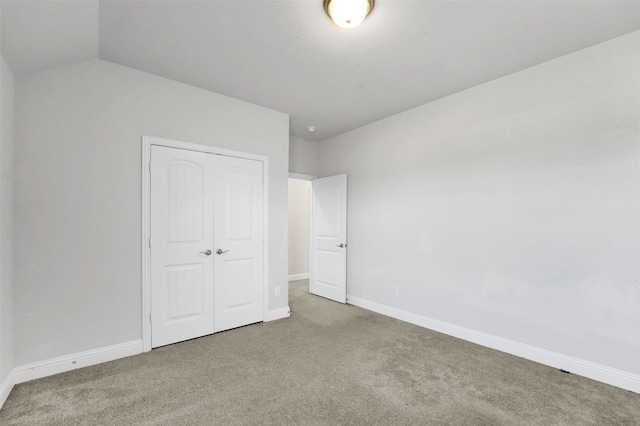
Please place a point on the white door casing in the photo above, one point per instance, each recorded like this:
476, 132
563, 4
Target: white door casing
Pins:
181, 230
238, 241
328, 263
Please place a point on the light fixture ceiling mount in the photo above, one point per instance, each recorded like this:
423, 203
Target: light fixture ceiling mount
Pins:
348, 13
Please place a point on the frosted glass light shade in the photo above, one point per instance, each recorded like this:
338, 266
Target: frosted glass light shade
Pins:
348, 13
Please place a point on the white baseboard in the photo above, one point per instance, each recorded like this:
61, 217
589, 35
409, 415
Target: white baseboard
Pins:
5, 387
70, 362
277, 314
601, 373
296, 277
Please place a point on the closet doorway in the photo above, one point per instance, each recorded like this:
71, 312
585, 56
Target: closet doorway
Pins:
206, 245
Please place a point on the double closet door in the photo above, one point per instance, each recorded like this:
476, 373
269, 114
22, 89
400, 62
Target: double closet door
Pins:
207, 250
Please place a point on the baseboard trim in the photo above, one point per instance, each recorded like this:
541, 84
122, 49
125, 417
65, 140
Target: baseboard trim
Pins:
296, 277
6, 387
277, 314
591, 370
70, 362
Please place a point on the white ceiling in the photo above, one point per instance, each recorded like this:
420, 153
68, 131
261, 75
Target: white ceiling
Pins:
287, 55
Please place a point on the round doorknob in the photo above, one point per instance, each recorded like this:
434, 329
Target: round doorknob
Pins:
207, 252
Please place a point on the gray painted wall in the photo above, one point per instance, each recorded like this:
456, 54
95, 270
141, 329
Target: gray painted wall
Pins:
7, 91
78, 195
511, 208
303, 156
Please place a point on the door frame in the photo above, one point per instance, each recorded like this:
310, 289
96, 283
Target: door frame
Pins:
147, 142
311, 178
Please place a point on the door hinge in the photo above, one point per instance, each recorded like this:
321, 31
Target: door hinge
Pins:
149, 242
149, 317
149, 166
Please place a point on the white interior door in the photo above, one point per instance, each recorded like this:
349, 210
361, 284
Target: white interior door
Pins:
238, 242
328, 263
181, 235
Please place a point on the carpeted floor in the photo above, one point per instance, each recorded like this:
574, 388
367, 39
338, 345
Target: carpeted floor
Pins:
329, 364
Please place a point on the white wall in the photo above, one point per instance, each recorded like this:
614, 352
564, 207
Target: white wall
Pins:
303, 156
7, 87
511, 208
299, 199
78, 195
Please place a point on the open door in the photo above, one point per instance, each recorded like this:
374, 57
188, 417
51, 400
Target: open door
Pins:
328, 263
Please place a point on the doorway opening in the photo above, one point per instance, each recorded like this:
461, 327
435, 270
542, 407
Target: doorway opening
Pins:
318, 233
299, 231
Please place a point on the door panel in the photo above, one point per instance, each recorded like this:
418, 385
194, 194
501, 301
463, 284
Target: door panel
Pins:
185, 287
181, 228
238, 221
237, 292
328, 263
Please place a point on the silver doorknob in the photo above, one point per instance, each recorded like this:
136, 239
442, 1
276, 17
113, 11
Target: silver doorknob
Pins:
219, 251
208, 252
340, 245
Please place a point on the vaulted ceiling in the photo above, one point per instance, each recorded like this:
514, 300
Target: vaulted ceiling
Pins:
287, 55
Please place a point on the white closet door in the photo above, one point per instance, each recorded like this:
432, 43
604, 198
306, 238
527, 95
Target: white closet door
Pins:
238, 242
181, 235
328, 263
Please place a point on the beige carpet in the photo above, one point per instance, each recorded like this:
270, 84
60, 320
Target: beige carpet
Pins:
329, 364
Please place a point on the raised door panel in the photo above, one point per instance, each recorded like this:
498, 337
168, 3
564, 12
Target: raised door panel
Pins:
239, 190
328, 263
186, 188
238, 283
327, 203
186, 288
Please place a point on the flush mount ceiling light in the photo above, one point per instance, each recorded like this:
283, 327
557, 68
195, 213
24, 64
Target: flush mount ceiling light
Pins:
348, 13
